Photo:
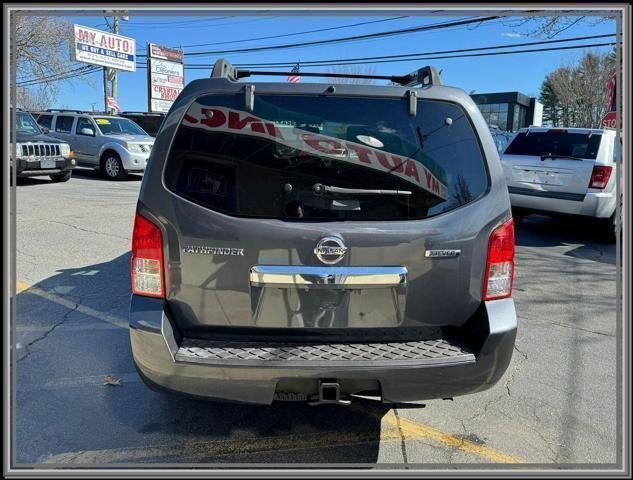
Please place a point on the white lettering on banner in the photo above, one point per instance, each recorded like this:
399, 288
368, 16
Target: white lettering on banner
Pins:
223, 119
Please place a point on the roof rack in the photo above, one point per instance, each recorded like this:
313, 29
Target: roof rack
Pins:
141, 113
424, 76
63, 110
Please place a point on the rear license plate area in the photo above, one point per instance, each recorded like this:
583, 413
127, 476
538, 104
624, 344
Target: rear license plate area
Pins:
324, 308
327, 297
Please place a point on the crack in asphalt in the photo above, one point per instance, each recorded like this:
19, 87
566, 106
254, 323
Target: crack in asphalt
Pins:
506, 391
47, 333
403, 446
88, 230
571, 327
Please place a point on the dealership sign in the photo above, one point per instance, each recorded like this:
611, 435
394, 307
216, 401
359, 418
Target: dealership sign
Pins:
103, 48
165, 76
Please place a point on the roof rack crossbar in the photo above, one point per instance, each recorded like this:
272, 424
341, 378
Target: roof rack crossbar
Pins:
424, 76
69, 110
248, 73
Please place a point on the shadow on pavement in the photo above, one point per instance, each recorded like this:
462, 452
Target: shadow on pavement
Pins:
73, 329
91, 174
542, 231
29, 181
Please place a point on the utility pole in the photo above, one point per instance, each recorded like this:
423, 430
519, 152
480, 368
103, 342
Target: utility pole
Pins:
115, 30
105, 89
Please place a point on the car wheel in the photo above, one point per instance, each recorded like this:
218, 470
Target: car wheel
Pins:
111, 167
61, 177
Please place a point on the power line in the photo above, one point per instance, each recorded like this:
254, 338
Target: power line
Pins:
61, 76
204, 67
382, 57
181, 22
296, 33
367, 36
54, 75
217, 25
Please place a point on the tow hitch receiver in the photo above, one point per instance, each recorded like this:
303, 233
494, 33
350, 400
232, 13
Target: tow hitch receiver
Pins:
329, 392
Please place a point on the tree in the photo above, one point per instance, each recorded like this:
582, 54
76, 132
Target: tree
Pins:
551, 103
41, 49
35, 98
352, 70
551, 25
576, 95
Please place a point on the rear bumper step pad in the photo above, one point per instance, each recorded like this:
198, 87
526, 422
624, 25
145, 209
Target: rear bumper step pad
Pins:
431, 352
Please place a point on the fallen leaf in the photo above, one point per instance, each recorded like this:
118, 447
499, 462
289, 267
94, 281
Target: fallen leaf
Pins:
109, 380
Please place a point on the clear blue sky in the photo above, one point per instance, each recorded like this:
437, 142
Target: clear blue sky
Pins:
521, 72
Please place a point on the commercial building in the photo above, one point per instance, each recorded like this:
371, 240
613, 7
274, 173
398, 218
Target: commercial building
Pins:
509, 110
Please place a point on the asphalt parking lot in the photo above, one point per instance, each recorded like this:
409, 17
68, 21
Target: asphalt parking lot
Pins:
555, 404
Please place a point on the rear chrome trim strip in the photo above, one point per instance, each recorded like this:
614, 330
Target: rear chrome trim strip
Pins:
574, 197
341, 277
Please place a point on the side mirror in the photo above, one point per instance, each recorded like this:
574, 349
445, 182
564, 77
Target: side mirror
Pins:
87, 131
45, 130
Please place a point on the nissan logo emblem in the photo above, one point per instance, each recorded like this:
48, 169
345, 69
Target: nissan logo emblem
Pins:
330, 250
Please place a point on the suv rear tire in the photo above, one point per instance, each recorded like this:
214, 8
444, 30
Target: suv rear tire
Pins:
609, 229
61, 177
112, 167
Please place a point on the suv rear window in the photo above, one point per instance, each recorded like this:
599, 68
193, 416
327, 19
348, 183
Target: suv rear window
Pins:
266, 163
554, 142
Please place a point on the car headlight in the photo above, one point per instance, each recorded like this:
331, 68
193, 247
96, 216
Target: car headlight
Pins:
134, 148
64, 149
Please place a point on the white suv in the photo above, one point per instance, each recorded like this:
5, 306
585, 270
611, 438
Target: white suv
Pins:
563, 170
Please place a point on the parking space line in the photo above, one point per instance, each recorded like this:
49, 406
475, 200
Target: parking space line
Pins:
21, 287
416, 431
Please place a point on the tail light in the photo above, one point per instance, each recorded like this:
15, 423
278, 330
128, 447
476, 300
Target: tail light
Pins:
147, 259
600, 177
500, 263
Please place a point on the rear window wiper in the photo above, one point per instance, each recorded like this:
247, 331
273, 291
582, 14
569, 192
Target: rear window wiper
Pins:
546, 155
320, 188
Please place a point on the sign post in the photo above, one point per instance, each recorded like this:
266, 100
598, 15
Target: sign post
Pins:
165, 77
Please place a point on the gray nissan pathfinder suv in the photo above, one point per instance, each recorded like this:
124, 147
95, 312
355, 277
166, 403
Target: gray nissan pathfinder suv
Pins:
318, 242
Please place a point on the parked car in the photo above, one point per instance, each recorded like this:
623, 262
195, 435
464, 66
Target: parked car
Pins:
312, 242
150, 122
501, 137
109, 143
563, 171
39, 154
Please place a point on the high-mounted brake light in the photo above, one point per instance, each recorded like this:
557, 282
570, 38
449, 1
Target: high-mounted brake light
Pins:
147, 259
600, 176
499, 273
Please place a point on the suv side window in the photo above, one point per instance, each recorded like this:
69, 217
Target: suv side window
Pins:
64, 124
83, 122
45, 121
